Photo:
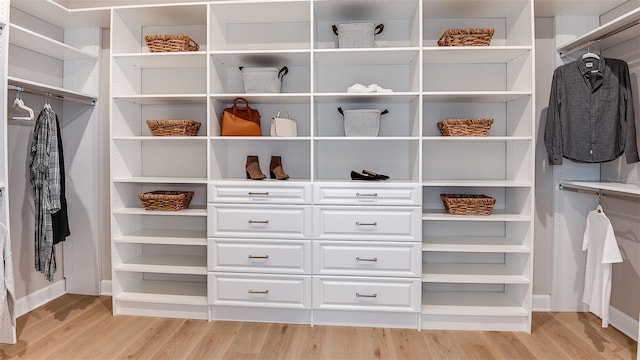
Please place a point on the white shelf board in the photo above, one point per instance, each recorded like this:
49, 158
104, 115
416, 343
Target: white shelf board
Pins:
475, 183
342, 97
190, 211
477, 138
164, 237
160, 99
496, 215
274, 58
62, 17
366, 138
160, 138
474, 96
54, 90
167, 15
629, 19
260, 138
470, 304
161, 180
33, 41
275, 98
612, 187
461, 9
473, 54
195, 59
479, 244
166, 292
366, 56
472, 273
166, 264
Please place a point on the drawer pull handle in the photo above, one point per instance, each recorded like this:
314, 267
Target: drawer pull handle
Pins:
258, 221
258, 292
258, 257
374, 295
358, 223
367, 195
365, 259
261, 193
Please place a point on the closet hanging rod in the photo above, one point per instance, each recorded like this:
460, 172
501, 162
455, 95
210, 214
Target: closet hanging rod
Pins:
88, 101
599, 192
571, 50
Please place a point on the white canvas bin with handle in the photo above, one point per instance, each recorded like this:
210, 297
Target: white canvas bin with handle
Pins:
362, 122
263, 79
356, 35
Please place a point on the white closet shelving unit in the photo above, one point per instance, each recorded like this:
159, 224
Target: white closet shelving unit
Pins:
54, 52
477, 270
321, 268
159, 257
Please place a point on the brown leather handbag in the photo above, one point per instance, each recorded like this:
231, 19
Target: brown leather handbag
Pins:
241, 120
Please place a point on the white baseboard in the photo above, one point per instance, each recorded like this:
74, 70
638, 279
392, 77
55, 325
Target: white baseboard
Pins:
105, 288
39, 297
623, 322
541, 303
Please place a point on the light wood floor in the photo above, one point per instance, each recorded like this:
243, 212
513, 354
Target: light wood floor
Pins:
82, 327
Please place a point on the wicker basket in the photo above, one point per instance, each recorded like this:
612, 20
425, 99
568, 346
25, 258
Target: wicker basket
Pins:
171, 43
173, 127
466, 204
466, 37
465, 127
166, 200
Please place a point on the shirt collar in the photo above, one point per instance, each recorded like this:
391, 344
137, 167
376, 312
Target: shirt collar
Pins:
584, 70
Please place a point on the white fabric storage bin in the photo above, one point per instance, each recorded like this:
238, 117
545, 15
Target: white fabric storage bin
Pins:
362, 122
263, 79
356, 35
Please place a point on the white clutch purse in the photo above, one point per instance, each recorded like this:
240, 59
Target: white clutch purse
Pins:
283, 127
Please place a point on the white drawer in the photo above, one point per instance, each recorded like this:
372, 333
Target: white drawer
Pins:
259, 221
367, 194
276, 291
262, 192
379, 259
372, 294
367, 223
264, 256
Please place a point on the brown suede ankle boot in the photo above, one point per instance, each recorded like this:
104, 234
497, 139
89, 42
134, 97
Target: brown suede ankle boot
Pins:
252, 168
275, 169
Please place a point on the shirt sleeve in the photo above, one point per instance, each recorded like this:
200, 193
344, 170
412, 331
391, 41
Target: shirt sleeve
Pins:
54, 165
630, 143
553, 126
611, 252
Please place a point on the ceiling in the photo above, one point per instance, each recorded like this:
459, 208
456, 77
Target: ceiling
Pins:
543, 8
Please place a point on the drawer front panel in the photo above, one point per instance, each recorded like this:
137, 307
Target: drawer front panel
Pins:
245, 221
236, 255
265, 193
365, 223
332, 194
391, 294
352, 258
277, 291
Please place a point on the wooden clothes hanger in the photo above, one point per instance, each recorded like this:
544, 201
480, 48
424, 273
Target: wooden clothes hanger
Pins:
19, 104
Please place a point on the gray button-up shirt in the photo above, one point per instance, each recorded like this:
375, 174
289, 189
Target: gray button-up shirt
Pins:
590, 116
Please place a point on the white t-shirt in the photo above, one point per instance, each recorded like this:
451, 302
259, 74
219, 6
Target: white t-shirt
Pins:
602, 251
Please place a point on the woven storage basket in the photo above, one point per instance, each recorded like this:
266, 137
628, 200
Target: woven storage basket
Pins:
465, 127
173, 127
466, 37
171, 43
466, 204
166, 200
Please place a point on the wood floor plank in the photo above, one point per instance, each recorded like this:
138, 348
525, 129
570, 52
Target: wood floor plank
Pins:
83, 327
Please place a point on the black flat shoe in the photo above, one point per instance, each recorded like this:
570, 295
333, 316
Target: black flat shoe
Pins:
361, 176
379, 176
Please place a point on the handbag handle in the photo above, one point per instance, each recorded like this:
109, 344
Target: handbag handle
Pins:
236, 106
283, 109
284, 71
378, 29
